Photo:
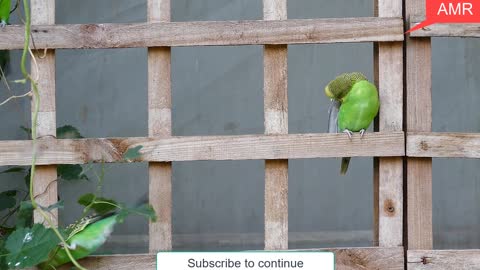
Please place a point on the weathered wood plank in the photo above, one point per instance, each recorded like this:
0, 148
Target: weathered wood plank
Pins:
443, 259
276, 204
243, 147
118, 262
391, 202
43, 69
345, 259
160, 125
391, 86
83, 36
418, 70
276, 122
446, 30
390, 169
367, 258
237, 241
419, 73
449, 145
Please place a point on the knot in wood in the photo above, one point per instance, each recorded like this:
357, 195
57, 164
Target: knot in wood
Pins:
426, 260
89, 28
389, 207
424, 145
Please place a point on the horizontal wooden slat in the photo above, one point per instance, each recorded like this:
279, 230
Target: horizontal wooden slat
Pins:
366, 258
118, 262
79, 36
292, 146
235, 241
447, 30
453, 145
443, 259
346, 259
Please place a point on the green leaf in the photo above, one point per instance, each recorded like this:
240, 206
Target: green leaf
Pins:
103, 206
70, 172
25, 214
100, 205
132, 153
56, 205
30, 246
122, 215
13, 170
86, 199
145, 210
68, 132
3, 252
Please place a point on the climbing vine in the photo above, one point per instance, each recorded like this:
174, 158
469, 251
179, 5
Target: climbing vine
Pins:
28, 244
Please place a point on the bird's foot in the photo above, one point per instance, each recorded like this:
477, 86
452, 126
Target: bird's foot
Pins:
362, 132
349, 133
3, 24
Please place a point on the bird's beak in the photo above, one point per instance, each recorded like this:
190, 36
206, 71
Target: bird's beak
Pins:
328, 93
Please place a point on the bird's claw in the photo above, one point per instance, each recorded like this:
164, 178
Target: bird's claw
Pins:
349, 133
3, 24
362, 132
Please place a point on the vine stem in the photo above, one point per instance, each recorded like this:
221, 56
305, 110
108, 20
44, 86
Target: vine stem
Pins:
14, 97
36, 104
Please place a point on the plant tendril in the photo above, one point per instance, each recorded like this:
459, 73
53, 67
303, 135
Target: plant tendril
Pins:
36, 104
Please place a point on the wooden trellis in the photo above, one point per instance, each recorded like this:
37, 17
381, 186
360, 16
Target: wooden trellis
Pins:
276, 146
160, 148
423, 145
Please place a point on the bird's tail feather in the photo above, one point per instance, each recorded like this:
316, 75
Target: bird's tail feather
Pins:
333, 116
344, 166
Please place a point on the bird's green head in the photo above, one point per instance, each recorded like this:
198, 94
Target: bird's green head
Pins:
339, 87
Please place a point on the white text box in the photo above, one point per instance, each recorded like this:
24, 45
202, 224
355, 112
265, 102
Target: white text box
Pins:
258, 260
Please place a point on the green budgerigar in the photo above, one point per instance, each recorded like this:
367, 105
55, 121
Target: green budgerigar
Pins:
5, 6
355, 104
84, 238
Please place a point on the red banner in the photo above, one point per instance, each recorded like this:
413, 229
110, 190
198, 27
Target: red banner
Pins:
451, 11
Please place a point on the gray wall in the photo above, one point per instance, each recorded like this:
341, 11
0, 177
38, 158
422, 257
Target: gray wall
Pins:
456, 185
218, 91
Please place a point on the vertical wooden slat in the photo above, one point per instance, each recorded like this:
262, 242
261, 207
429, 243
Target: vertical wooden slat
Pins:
419, 118
391, 119
276, 122
160, 125
43, 13
390, 170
